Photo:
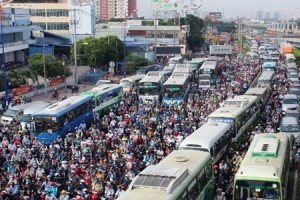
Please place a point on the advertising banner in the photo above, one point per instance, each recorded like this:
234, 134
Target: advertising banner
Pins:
171, 4
220, 49
22, 90
215, 15
57, 81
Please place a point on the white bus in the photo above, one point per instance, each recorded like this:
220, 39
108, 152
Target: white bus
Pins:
195, 64
266, 79
151, 86
264, 171
30, 110
290, 58
175, 60
176, 89
184, 174
131, 82
240, 112
213, 66
214, 138
263, 93
182, 69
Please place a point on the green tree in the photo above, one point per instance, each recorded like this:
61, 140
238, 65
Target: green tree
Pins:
97, 52
15, 78
54, 67
134, 62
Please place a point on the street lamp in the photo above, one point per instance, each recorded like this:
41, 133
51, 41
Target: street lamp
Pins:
44, 63
65, 74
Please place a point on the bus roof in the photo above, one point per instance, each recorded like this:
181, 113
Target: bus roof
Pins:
265, 157
177, 79
133, 78
153, 76
168, 177
64, 106
233, 107
206, 136
256, 91
181, 68
197, 60
176, 58
36, 107
101, 89
209, 64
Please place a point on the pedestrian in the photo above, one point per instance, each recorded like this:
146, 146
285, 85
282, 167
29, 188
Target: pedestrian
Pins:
220, 195
297, 162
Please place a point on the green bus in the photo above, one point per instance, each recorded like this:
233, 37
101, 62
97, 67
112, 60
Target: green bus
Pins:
105, 97
241, 112
183, 174
264, 172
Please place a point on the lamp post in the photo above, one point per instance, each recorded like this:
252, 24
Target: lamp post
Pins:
44, 63
65, 74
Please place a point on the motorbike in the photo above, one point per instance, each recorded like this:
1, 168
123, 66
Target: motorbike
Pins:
54, 95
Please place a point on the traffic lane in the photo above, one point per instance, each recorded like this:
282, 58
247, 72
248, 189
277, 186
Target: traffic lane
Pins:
291, 184
62, 92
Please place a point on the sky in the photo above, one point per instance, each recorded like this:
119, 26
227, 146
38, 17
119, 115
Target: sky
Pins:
238, 8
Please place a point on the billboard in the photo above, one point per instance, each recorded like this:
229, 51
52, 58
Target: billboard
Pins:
171, 4
215, 15
220, 49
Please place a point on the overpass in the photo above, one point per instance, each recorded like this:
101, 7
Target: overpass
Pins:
292, 39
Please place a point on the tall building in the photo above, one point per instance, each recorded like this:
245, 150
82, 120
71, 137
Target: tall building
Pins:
259, 14
267, 15
117, 9
276, 16
57, 16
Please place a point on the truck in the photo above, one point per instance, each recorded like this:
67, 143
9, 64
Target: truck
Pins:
220, 49
286, 48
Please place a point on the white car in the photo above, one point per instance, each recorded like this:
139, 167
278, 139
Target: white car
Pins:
290, 102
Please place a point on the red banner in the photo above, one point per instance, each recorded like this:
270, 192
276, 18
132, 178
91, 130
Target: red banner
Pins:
57, 81
22, 90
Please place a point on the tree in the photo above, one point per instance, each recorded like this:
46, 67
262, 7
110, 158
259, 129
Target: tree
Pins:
15, 78
53, 66
97, 52
134, 62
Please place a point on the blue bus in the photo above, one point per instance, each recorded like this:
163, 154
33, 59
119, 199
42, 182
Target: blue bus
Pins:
61, 117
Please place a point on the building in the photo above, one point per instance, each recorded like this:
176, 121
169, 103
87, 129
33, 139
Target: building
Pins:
59, 16
259, 14
117, 9
140, 39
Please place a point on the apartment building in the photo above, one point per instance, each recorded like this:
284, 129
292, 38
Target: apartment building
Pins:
117, 9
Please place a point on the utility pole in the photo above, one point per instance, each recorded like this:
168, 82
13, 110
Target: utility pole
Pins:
155, 35
74, 22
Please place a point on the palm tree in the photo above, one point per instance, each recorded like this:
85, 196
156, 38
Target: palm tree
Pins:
27, 74
15, 78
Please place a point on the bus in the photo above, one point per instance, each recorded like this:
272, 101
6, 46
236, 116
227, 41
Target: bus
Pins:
212, 137
181, 69
59, 118
131, 82
183, 174
263, 93
241, 112
175, 60
105, 97
176, 89
264, 172
29, 111
195, 64
151, 86
290, 58
266, 79
145, 69
213, 66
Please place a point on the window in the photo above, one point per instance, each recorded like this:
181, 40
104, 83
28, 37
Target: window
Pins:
57, 13
38, 12
58, 26
41, 24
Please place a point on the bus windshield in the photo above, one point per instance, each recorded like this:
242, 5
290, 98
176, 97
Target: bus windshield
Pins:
172, 92
26, 118
43, 123
251, 190
289, 128
10, 113
148, 89
126, 84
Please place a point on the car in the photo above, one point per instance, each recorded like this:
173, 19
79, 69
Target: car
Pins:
103, 82
290, 126
292, 74
295, 91
294, 81
290, 102
293, 113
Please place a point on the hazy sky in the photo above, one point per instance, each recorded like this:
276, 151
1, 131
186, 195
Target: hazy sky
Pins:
287, 8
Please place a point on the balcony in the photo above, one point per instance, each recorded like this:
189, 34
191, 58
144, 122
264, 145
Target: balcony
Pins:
16, 46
